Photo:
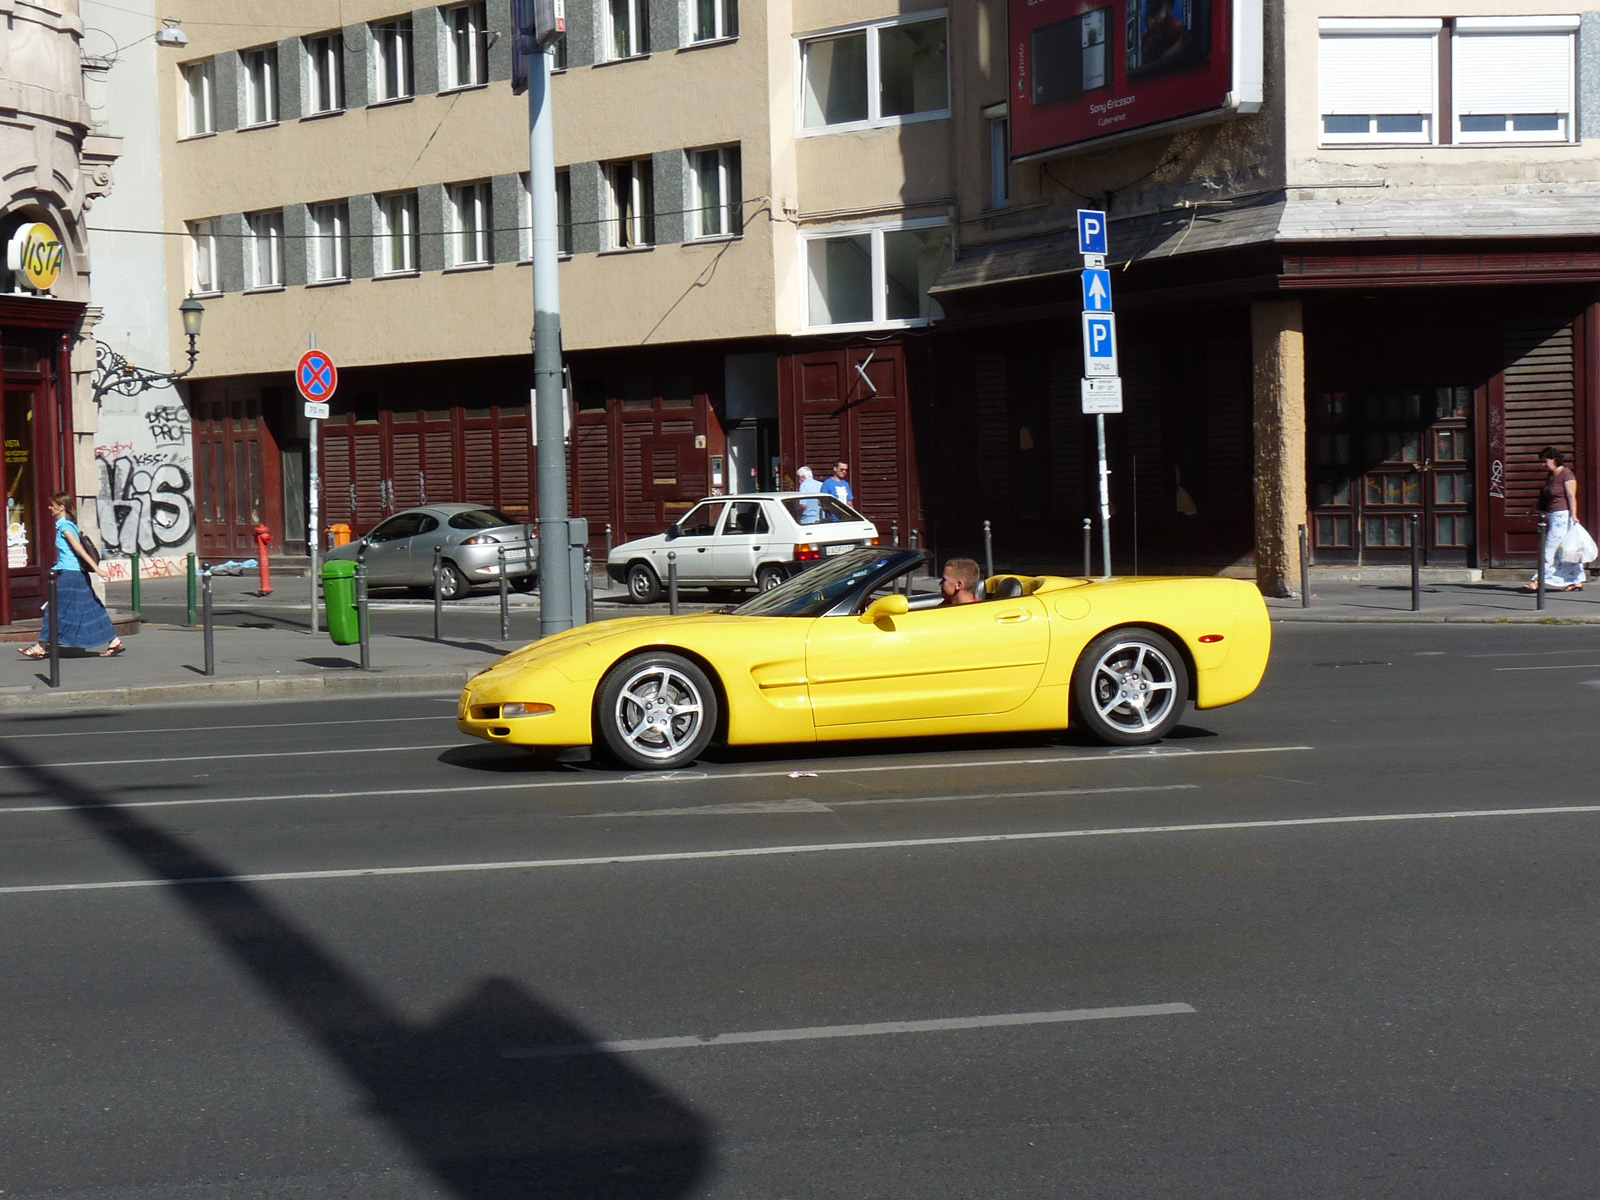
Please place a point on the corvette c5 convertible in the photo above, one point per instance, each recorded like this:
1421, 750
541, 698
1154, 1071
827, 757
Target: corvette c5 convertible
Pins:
843, 651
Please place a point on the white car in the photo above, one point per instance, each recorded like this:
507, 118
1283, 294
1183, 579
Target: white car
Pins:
739, 542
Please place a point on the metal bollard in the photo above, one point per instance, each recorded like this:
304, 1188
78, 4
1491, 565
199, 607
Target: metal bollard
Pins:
438, 596
1416, 566
55, 632
1088, 546
135, 598
672, 582
505, 596
894, 533
588, 588
608, 556
988, 552
1305, 571
189, 616
205, 619
1544, 533
361, 608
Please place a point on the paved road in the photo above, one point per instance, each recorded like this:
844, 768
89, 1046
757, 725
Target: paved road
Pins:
1320, 944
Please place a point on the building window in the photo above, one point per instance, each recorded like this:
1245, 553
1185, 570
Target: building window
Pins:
881, 74
999, 138
397, 234
626, 32
325, 72
1512, 79
717, 192
716, 19
467, 44
264, 249
874, 277
391, 55
198, 87
203, 248
1378, 81
261, 86
469, 224
631, 218
330, 241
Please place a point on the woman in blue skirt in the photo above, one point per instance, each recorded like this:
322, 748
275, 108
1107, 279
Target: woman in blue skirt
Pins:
84, 620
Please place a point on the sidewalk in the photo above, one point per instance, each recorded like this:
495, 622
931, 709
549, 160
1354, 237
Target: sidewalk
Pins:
164, 662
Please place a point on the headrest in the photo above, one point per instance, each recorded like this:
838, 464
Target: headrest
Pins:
1007, 589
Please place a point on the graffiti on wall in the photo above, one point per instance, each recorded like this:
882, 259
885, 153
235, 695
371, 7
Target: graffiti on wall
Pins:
146, 500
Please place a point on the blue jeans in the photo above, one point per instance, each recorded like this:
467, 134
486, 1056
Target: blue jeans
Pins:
1559, 574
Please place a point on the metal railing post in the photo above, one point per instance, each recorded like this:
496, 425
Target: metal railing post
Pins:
1544, 534
189, 616
672, 582
136, 596
608, 556
205, 617
1088, 546
588, 587
505, 596
988, 551
1305, 570
438, 594
55, 631
894, 533
1416, 565
362, 621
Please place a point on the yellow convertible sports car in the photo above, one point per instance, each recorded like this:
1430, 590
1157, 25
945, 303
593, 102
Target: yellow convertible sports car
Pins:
842, 651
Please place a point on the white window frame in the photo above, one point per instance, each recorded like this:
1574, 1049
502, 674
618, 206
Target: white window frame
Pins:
199, 91
393, 69
997, 133
468, 213
466, 46
204, 277
260, 74
638, 17
1357, 28
330, 242
397, 217
874, 118
264, 250
324, 72
724, 22
1467, 28
728, 164
879, 273
624, 231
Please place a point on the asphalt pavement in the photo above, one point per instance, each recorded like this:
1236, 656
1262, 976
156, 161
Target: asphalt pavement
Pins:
1333, 941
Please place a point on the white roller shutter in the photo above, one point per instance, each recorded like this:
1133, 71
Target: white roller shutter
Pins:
1512, 71
1391, 73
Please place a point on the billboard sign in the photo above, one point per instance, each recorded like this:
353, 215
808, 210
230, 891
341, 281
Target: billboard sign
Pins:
1085, 72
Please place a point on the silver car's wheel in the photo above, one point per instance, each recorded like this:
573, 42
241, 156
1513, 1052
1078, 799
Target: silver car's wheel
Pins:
769, 577
643, 585
1130, 687
656, 711
452, 583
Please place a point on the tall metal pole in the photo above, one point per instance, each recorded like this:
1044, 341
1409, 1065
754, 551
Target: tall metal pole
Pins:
313, 509
1105, 499
555, 558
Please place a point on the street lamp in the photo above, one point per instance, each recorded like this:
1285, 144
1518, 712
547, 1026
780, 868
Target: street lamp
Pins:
113, 373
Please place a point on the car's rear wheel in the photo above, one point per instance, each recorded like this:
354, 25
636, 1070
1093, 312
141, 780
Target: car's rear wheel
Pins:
524, 583
656, 711
452, 583
769, 577
1130, 687
643, 585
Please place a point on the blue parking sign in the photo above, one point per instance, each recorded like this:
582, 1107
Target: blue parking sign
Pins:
1099, 345
1091, 232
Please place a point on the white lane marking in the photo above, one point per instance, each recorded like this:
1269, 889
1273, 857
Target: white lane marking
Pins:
567, 781
300, 753
764, 807
614, 860
1554, 667
817, 1033
185, 730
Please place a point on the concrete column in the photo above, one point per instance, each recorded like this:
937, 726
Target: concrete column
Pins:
1277, 337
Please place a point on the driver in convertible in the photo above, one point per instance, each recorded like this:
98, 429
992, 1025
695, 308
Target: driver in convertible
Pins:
959, 583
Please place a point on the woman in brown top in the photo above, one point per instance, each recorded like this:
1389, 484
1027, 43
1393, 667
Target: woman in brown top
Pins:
1558, 498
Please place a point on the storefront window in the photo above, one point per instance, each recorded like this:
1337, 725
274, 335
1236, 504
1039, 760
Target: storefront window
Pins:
22, 521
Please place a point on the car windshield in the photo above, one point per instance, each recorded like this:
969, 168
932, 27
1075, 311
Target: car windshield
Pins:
480, 518
819, 589
814, 509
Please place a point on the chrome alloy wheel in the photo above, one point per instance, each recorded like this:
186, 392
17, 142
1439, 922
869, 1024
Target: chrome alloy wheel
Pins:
1135, 689
659, 713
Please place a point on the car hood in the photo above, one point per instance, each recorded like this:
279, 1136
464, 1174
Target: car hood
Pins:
625, 632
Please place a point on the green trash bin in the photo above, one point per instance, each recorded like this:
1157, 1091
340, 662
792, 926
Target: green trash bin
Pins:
339, 600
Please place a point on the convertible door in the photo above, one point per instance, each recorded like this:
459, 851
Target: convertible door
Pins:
969, 660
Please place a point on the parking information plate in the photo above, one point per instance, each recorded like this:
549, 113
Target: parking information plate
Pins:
1102, 395
315, 411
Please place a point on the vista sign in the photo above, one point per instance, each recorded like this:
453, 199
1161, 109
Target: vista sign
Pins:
1085, 73
35, 254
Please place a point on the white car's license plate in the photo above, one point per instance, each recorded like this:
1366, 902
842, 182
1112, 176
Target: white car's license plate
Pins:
839, 549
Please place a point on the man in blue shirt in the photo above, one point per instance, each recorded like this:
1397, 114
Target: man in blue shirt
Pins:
838, 486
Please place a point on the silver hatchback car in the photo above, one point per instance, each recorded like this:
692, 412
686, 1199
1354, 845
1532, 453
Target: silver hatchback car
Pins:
399, 550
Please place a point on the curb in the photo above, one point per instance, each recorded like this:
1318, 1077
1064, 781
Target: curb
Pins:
1302, 617
237, 691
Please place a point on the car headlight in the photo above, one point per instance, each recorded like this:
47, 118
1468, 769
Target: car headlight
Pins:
525, 710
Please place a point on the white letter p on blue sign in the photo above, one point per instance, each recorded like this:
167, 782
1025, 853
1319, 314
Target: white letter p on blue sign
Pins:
1091, 232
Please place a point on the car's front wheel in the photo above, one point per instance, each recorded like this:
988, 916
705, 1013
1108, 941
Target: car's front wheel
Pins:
1130, 687
656, 711
769, 577
643, 585
452, 583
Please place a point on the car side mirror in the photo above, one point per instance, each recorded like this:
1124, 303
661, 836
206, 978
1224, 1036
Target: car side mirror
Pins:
892, 605
673, 530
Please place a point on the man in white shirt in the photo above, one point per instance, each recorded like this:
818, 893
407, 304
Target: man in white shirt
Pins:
809, 509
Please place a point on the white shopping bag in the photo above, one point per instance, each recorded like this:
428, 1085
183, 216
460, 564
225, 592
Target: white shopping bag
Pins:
1577, 546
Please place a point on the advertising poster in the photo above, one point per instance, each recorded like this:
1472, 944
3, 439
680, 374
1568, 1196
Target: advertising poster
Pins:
1085, 70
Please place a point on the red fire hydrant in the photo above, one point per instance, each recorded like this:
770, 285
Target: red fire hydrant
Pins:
263, 540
